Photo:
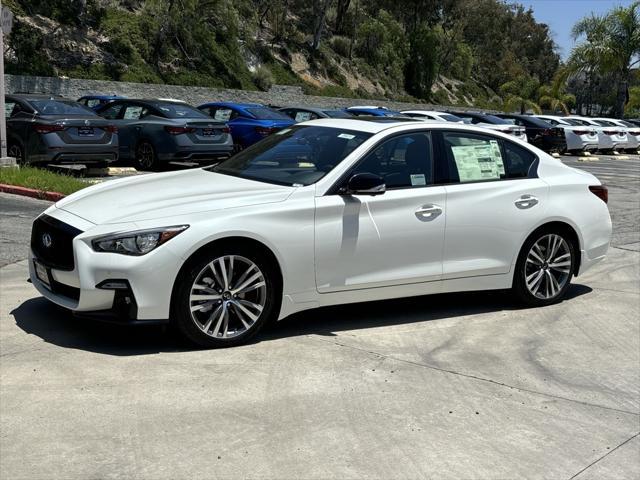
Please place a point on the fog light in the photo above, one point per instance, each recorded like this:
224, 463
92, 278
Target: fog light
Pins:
113, 285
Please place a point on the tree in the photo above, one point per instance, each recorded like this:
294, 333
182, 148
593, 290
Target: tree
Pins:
611, 44
554, 96
521, 94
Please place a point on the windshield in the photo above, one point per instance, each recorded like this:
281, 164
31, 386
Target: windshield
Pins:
60, 107
264, 113
295, 156
606, 123
175, 110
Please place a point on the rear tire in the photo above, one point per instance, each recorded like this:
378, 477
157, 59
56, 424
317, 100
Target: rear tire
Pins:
224, 296
145, 157
545, 267
16, 151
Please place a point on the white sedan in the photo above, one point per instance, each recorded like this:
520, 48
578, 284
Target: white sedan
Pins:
326, 212
579, 138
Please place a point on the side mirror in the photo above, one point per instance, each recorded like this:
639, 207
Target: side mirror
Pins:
365, 184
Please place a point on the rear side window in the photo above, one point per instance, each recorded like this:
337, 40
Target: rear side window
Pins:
479, 158
302, 116
112, 111
93, 102
8, 108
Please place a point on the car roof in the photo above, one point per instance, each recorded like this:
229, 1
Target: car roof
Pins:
102, 95
311, 109
37, 96
430, 112
234, 104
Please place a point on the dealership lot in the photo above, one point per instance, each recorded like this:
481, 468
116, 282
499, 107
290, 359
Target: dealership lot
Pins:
448, 386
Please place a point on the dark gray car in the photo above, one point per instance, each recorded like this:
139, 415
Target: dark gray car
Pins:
155, 132
302, 114
53, 130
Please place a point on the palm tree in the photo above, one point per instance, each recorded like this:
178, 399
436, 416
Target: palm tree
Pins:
554, 96
611, 45
520, 94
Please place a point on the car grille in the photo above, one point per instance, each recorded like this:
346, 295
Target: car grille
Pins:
52, 242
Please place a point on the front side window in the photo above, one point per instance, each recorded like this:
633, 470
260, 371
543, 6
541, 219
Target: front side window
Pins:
294, 156
176, 110
112, 112
222, 114
93, 102
479, 158
404, 161
135, 112
9, 106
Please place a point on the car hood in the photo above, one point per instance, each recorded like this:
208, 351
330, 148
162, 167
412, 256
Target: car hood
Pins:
146, 197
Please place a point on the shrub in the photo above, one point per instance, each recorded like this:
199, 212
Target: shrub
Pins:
263, 78
341, 46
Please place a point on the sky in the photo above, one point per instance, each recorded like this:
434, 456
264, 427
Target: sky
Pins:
561, 15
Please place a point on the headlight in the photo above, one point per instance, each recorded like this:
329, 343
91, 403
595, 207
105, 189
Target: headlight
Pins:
138, 242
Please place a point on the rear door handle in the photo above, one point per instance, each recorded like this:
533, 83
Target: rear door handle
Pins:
526, 201
428, 212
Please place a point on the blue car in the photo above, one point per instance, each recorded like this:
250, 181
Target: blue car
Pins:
249, 122
94, 102
373, 111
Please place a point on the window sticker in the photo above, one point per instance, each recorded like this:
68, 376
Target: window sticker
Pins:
418, 179
303, 116
347, 136
478, 162
222, 115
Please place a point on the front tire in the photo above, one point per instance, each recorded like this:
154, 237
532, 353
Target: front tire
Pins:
225, 296
15, 151
545, 267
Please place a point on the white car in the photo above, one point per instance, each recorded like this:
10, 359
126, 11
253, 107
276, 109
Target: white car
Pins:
631, 131
609, 138
432, 115
579, 138
491, 122
327, 212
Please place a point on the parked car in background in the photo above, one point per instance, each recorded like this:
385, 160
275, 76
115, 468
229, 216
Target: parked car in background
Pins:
432, 115
53, 130
155, 132
491, 122
632, 132
609, 138
96, 101
372, 110
539, 133
249, 122
578, 137
363, 211
634, 121
302, 114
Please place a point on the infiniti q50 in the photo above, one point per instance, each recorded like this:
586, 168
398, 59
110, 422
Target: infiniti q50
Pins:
325, 212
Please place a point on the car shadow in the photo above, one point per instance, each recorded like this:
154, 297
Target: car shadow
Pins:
57, 326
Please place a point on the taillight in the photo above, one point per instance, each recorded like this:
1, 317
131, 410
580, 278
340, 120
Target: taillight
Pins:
179, 130
547, 131
601, 192
47, 128
111, 129
610, 132
226, 130
265, 130
635, 133
581, 132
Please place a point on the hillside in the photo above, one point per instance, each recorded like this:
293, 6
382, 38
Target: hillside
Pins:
416, 50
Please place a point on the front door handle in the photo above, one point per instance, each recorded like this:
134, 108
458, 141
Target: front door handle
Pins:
428, 212
526, 201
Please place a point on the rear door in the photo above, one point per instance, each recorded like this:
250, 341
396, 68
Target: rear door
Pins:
494, 197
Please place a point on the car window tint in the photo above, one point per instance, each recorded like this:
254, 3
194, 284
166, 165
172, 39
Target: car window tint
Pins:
111, 112
60, 107
404, 161
475, 157
132, 112
518, 160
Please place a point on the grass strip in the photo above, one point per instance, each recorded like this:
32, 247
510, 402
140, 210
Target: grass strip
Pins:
42, 180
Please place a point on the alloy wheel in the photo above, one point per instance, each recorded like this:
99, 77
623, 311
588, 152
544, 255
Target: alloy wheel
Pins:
146, 155
548, 266
16, 152
228, 297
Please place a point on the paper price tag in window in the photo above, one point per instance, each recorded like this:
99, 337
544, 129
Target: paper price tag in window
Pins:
418, 180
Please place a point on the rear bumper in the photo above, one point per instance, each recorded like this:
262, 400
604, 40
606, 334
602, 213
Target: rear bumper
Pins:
72, 156
197, 153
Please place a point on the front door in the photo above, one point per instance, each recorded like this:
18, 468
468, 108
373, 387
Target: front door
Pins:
364, 241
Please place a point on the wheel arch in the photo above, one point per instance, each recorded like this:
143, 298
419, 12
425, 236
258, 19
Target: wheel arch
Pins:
236, 240
559, 225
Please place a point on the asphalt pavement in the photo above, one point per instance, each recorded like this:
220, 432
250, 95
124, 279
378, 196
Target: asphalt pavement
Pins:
445, 386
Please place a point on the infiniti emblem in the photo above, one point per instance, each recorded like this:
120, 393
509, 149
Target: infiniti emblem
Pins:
46, 240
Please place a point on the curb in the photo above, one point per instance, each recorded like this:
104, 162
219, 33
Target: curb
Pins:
31, 192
